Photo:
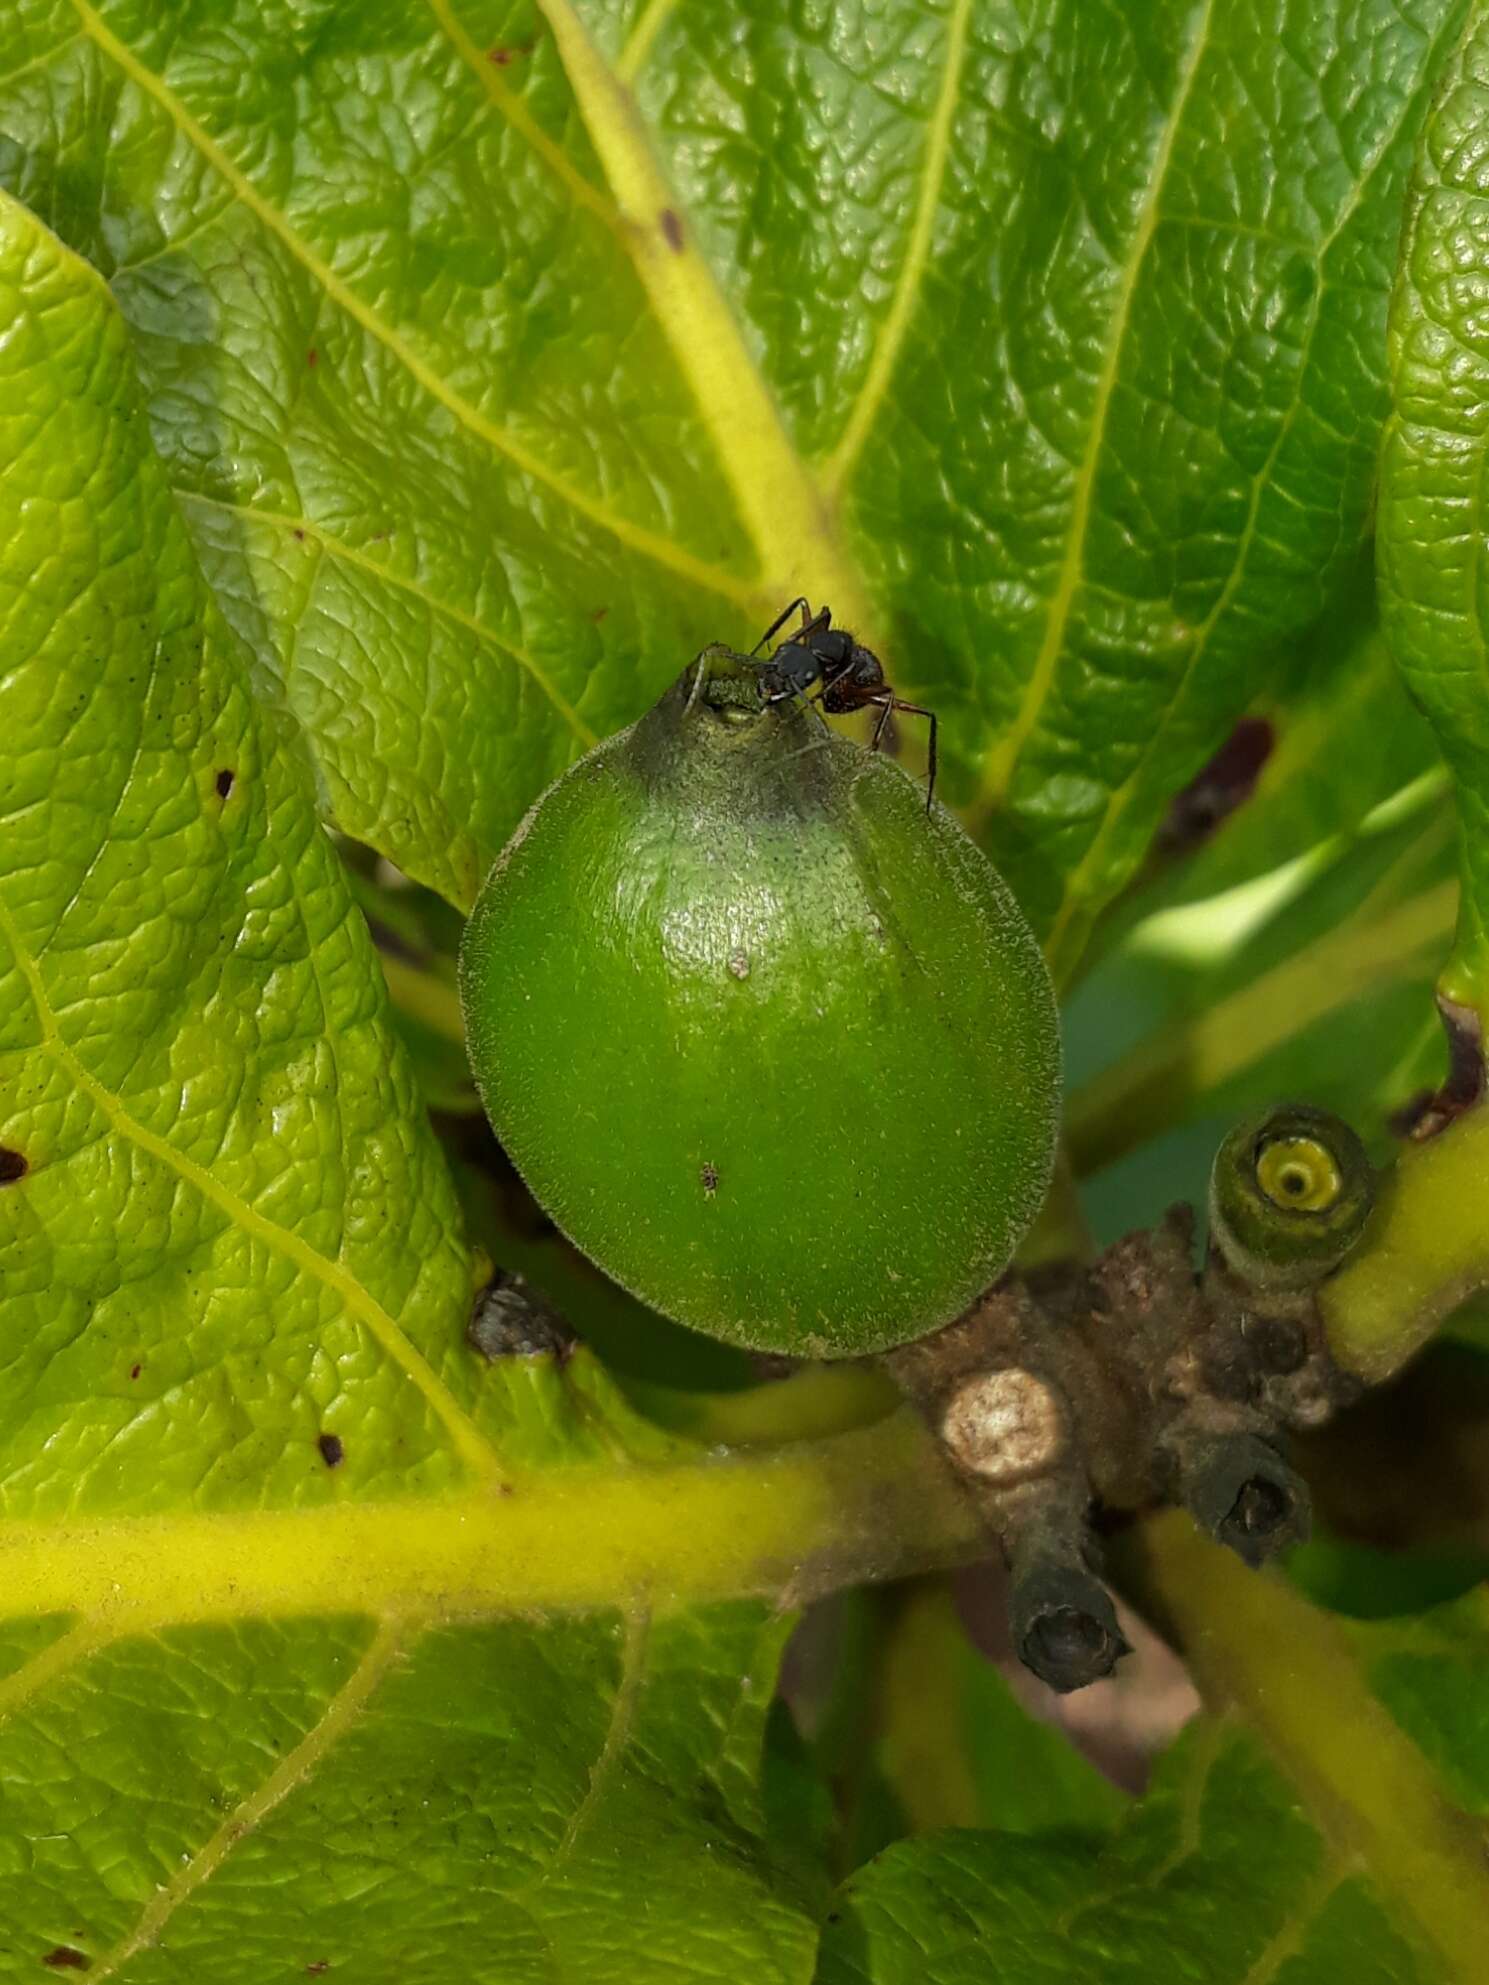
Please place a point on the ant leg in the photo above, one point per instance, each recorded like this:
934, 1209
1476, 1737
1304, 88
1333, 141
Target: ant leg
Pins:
886, 711
780, 621
812, 624
919, 710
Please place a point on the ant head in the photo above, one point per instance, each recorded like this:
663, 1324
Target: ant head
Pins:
791, 671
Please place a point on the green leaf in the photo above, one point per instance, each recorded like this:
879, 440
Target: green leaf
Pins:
518, 1802
265, 1516
1217, 1875
1342, 741
1313, 982
502, 355
1433, 470
1324, 1826
959, 1749
236, 1234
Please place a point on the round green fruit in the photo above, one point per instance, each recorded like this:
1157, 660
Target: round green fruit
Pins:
772, 1045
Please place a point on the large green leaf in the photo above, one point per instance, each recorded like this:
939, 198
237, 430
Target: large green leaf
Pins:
502, 354
1344, 1848
492, 359
261, 1800
265, 1515
1217, 1877
1433, 472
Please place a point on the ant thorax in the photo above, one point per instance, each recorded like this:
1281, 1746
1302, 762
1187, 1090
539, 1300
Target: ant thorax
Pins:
851, 677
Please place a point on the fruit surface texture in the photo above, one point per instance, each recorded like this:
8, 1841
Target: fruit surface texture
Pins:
771, 1044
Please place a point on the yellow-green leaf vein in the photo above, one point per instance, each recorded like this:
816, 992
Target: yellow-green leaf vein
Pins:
662, 551
839, 464
468, 1442
1002, 761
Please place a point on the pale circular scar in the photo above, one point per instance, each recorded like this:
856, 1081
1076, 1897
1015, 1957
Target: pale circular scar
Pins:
1004, 1426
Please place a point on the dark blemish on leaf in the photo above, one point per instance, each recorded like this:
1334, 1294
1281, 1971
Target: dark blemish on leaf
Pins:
224, 782
1403, 1122
299, 534
500, 56
599, 614
671, 230
13, 1165
332, 1451
312, 358
1466, 1074
1218, 788
135, 1370
315, 1969
66, 1958
708, 1178
512, 1320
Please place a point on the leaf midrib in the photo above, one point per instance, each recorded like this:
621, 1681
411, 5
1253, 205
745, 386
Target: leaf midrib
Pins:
636, 537
705, 1528
1003, 761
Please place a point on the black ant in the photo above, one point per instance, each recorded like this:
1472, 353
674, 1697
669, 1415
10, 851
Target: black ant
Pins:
851, 676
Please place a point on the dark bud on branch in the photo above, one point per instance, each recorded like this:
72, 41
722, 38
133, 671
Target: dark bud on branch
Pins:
1065, 1626
1138, 1381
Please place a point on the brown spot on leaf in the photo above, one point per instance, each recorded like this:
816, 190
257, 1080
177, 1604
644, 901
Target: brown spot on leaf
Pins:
333, 1452
1428, 1115
1218, 788
312, 358
671, 230
135, 1370
67, 1958
224, 782
13, 1165
299, 534
500, 56
599, 614
708, 1178
314, 1969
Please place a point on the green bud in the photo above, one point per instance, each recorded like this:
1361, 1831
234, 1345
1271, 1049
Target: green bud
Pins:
1289, 1194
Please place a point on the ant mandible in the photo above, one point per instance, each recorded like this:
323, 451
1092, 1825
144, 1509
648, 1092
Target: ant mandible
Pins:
851, 676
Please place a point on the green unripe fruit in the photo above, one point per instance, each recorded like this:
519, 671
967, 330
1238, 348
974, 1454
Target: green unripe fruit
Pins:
1289, 1195
772, 1046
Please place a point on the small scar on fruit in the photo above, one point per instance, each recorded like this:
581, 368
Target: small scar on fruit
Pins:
225, 782
66, 1958
708, 1178
333, 1449
671, 230
13, 1165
